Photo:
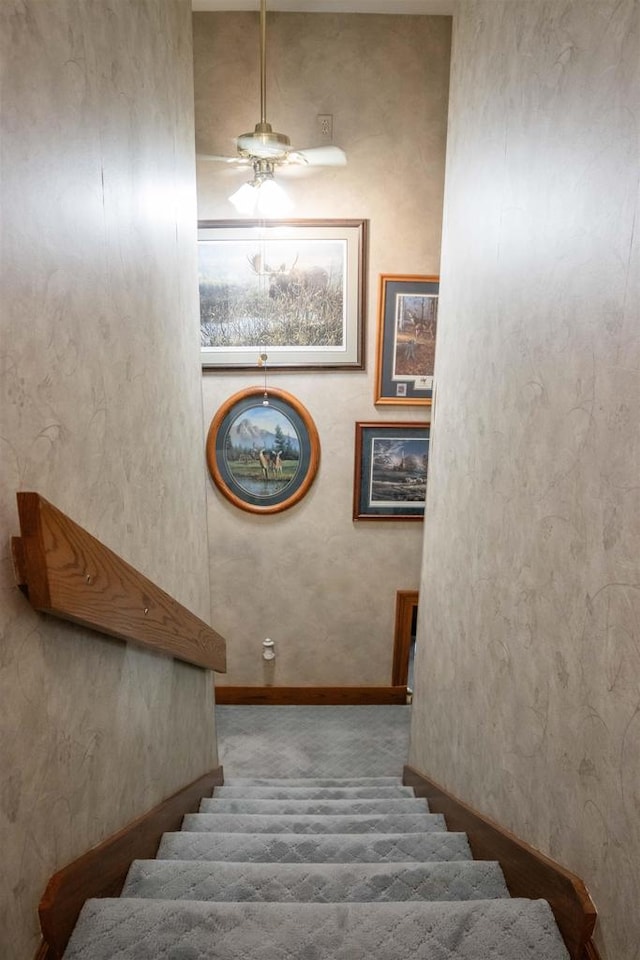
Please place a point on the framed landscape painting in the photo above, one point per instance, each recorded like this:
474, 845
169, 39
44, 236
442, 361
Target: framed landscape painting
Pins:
390, 476
263, 450
407, 323
293, 289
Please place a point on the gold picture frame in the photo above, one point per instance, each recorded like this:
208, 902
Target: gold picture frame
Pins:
263, 450
407, 324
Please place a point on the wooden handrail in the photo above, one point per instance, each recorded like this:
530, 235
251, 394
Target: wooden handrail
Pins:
66, 572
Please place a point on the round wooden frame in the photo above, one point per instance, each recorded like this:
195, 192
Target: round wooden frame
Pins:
286, 406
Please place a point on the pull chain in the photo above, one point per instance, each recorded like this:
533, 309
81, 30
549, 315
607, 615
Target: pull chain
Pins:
263, 363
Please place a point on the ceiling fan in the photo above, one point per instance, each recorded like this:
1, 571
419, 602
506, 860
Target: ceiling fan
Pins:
264, 149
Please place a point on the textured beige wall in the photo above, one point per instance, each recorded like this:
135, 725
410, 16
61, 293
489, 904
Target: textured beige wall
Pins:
323, 588
101, 412
528, 676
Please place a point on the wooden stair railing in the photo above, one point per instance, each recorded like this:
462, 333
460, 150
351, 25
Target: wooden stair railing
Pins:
66, 572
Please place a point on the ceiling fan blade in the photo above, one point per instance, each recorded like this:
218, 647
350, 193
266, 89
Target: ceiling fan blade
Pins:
328, 156
236, 161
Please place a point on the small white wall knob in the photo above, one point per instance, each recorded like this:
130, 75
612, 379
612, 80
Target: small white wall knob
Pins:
268, 653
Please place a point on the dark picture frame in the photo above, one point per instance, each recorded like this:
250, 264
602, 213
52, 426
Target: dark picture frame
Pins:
390, 475
293, 289
263, 450
407, 325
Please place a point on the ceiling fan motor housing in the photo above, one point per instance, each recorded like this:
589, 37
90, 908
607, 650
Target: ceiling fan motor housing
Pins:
264, 142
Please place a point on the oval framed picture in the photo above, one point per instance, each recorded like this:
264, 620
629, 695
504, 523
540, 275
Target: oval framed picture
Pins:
263, 450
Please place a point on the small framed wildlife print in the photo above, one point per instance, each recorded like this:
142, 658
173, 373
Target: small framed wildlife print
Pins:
263, 450
292, 288
390, 476
407, 322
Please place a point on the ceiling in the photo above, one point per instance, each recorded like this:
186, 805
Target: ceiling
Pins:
434, 7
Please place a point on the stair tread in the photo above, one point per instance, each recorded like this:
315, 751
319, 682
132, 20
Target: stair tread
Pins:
281, 823
319, 848
137, 929
315, 882
313, 781
314, 793
310, 807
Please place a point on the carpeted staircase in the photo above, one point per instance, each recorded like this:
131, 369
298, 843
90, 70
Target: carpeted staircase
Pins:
324, 869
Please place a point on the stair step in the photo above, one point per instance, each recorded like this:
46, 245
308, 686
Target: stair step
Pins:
316, 882
313, 807
137, 929
339, 782
327, 848
279, 823
313, 793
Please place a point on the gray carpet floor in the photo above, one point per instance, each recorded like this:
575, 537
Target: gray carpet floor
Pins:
258, 741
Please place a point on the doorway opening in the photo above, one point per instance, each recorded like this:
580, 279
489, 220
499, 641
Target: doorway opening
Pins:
404, 639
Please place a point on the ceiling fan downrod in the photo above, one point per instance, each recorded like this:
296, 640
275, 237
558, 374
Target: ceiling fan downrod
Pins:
263, 63
263, 141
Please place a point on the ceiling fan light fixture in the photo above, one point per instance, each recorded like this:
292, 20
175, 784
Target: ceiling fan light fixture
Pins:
262, 195
244, 199
273, 201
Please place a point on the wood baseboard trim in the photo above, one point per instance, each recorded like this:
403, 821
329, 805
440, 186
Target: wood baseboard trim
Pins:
300, 696
591, 951
527, 871
44, 952
101, 871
